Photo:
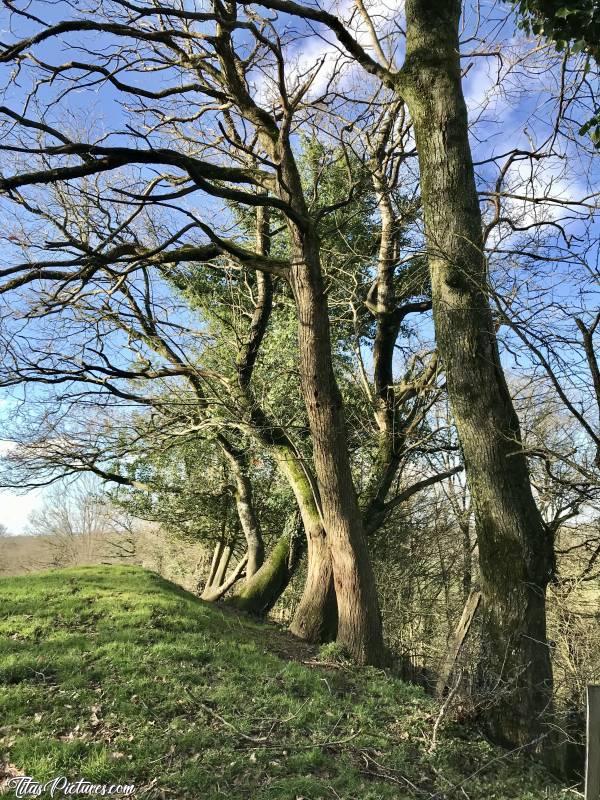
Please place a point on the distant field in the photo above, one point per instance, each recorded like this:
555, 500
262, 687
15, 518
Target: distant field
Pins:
23, 554
180, 562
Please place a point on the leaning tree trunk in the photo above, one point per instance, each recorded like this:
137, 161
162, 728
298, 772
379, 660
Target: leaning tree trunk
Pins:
514, 550
359, 622
217, 553
259, 594
223, 563
216, 591
359, 628
315, 618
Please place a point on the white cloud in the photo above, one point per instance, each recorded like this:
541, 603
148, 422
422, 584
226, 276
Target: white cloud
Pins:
544, 184
322, 54
482, 91
15, 509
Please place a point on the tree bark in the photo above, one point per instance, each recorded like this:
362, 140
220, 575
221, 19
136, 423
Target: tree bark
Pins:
259, 594
245, 506
467, 566
315, 618
515, 552
359, 622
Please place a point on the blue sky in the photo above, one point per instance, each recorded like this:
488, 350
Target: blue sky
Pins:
511, 95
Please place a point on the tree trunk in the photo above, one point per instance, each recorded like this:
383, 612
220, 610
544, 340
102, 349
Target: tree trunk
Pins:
244, 504
359, 623
222, 565
259, 594
315, 618
316, 603
514, 550
467, 565
216, 591
217, 552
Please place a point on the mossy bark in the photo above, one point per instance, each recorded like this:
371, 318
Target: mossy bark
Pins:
260, 593
515, 552
315, 618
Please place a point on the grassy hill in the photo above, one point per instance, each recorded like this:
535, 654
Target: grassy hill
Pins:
114, 674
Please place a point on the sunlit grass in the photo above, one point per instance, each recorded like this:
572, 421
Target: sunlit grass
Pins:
115, 675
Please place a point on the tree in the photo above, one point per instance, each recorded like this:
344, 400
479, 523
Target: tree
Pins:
564, 22
359, 624
574, 25
509, 527
73, 518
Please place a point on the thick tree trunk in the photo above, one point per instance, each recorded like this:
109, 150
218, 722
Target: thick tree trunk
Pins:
315, 618
359, 623
359, 628
514, 551
259, 594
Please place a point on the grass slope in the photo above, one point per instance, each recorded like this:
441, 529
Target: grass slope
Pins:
117, 676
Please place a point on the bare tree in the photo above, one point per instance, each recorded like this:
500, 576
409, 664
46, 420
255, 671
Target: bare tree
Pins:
510, 529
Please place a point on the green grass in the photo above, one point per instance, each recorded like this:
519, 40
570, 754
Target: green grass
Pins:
113, 674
